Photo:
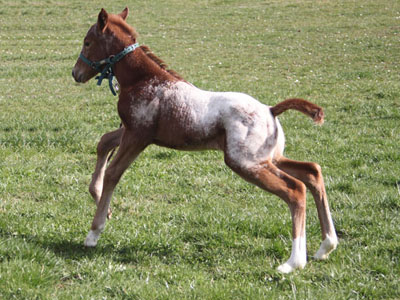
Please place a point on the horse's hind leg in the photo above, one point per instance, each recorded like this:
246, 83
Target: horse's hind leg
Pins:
108, 142
293, 192
310, 174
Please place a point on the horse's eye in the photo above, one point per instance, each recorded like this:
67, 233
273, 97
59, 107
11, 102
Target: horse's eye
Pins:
87, 44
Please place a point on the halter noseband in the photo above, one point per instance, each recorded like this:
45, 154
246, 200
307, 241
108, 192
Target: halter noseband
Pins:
107, 71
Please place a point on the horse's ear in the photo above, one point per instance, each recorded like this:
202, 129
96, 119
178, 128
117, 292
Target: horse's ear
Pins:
102, 20
124, 13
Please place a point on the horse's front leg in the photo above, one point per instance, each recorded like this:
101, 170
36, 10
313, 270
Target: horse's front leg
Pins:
129, 149
108, 142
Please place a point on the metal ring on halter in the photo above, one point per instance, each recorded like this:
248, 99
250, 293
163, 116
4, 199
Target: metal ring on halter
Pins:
107, 72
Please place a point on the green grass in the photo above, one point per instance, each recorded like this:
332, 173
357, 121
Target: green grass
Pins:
184, 226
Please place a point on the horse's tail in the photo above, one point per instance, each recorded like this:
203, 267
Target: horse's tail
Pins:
310, 109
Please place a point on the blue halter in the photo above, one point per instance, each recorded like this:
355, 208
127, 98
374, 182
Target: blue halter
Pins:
107, 71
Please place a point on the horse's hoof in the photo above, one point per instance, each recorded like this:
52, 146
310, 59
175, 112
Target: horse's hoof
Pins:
288, 268
92, 238
327, 246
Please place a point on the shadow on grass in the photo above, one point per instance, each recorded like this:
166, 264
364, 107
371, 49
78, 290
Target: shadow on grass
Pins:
75, 250
68, 249
205, 251
64, 248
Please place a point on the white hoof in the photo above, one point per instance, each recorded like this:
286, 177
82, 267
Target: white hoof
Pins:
285, 268
327, 246
289, 267
92, 238
298, 258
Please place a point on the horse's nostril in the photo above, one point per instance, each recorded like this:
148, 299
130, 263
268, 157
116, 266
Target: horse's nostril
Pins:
76, 77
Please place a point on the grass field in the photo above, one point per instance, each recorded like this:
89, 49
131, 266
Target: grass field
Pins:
184, 226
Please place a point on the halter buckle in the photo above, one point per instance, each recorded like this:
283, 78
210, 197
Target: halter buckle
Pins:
107, 72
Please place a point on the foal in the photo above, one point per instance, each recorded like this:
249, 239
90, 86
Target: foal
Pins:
156, 106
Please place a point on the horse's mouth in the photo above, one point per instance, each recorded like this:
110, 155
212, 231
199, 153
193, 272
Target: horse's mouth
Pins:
79, 77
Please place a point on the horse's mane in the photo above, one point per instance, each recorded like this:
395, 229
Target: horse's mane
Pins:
160, 62
124, 30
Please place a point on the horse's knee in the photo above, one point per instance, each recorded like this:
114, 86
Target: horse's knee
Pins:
297, 196
95, 191
314, 179
103, 145
108, 142
315, 170
111, 176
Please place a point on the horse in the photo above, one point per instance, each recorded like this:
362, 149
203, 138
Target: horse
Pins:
157, 106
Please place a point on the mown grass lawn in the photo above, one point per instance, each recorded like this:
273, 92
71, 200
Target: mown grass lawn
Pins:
184, 226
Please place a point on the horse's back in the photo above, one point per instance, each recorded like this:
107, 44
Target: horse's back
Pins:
191, 118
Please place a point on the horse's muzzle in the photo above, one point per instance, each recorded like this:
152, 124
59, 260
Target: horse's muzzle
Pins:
78, 78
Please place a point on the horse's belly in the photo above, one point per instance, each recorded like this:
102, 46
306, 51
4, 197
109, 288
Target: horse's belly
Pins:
185, 137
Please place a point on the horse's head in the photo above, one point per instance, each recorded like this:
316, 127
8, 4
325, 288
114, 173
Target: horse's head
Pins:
105, 38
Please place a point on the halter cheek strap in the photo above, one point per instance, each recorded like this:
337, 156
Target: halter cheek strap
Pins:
105, 66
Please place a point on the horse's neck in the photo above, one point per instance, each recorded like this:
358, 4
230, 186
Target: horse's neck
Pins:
137, 68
